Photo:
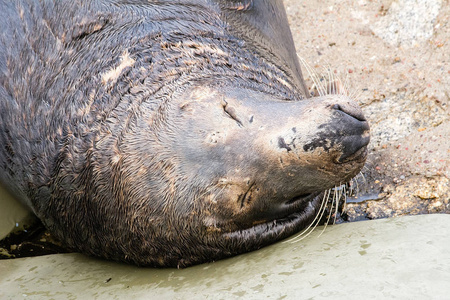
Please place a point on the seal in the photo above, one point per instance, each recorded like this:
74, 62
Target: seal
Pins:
166, 133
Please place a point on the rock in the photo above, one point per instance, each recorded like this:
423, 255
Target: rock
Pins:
408, 22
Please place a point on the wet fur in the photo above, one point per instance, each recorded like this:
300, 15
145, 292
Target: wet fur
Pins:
77, 78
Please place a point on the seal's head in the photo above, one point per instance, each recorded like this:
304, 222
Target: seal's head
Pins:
218, 163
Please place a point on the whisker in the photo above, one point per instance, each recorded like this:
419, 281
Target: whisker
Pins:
344, 193
346, 84
363, 177
330, 83
313, 224
314, 77
329, 215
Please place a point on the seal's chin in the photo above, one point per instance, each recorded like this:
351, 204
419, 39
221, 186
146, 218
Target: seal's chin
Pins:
300, 212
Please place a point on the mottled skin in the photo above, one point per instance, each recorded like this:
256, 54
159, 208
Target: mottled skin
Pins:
166, 133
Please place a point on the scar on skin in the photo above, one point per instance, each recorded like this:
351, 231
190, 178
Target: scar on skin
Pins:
113, 73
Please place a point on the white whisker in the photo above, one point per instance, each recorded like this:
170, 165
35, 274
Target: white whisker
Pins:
314, 77
313, 224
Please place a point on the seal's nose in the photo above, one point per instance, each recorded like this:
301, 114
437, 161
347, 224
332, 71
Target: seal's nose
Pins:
353, 130
348, 118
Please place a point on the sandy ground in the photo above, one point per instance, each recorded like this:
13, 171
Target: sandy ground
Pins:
396, 56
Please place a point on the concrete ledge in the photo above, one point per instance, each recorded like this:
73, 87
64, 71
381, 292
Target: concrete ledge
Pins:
398, 258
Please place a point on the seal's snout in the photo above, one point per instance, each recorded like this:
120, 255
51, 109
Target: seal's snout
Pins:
343, 133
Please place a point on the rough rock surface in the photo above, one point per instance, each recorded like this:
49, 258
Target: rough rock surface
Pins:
396, 56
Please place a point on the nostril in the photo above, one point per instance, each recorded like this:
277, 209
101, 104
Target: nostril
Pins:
350, 110
336, 107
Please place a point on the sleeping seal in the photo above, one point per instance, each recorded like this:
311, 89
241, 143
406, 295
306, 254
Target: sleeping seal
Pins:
166, 133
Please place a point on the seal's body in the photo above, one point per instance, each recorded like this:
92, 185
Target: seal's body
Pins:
166, 133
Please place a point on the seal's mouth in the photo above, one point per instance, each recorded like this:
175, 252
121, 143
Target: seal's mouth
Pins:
299, 212
303, 198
